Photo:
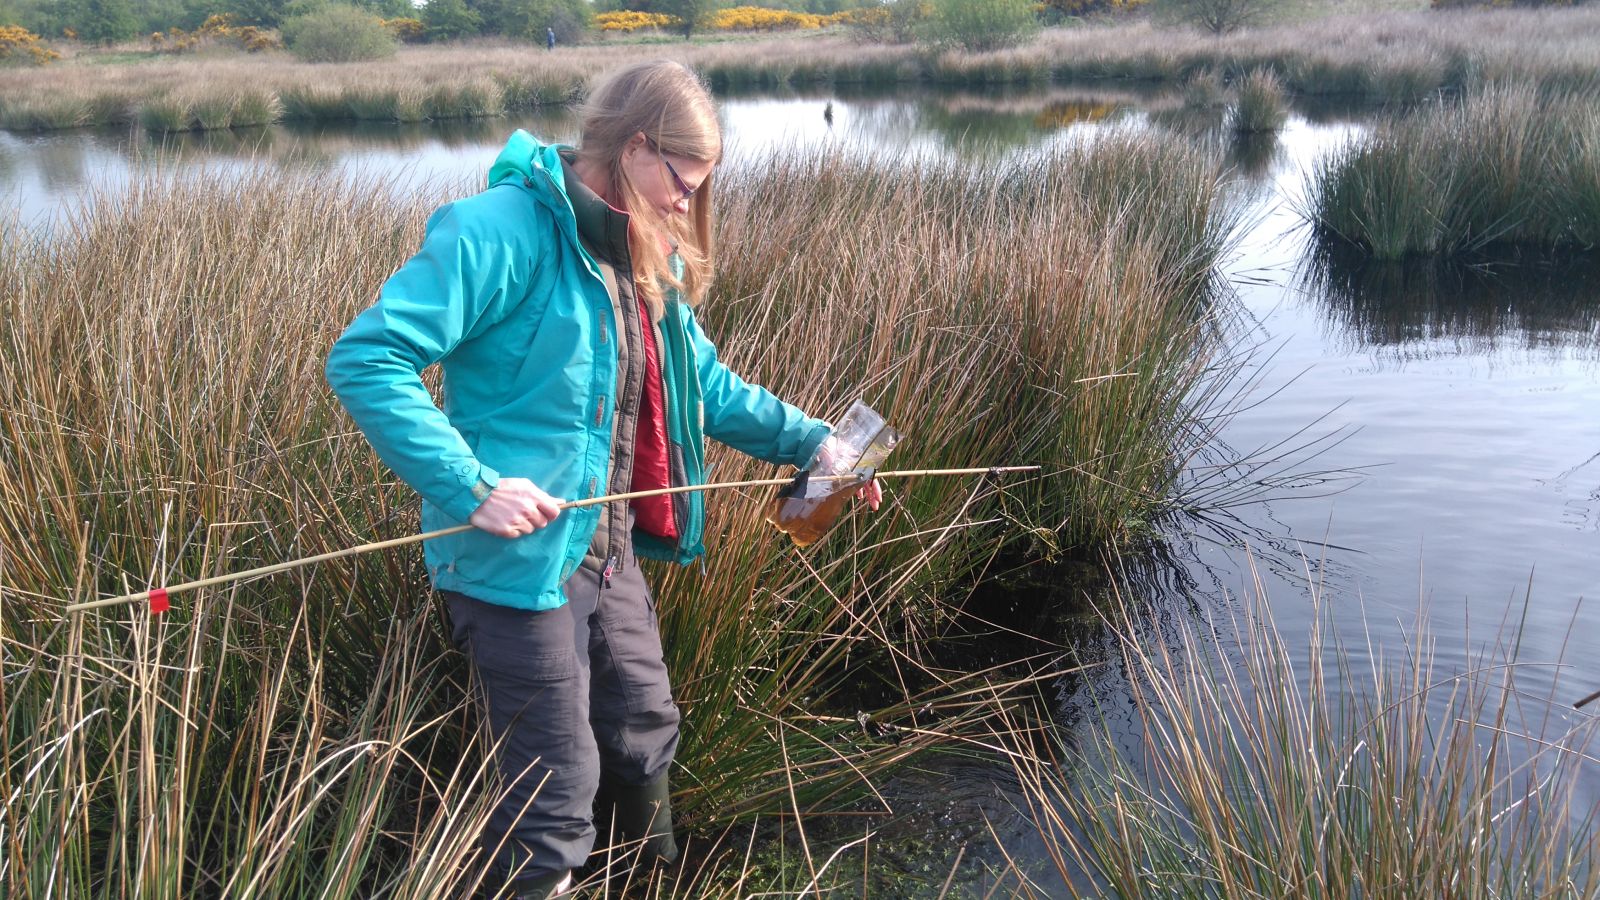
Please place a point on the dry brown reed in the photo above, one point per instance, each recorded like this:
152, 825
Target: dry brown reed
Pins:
307, 735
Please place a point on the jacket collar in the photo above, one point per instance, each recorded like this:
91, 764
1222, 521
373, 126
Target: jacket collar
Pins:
601, 225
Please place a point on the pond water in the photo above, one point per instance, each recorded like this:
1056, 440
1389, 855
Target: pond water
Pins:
1460, 403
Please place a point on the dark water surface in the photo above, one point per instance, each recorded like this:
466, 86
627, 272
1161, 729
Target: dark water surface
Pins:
1464, 400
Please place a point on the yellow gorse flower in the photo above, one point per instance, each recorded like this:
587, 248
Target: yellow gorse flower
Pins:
406, 29
217, 28
630, 20
18, 44
756, 18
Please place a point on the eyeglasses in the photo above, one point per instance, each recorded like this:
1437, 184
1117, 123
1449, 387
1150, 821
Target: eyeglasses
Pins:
683, 186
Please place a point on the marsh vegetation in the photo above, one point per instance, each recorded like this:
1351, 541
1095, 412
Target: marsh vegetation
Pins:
1507, 166
307, 735
310, 730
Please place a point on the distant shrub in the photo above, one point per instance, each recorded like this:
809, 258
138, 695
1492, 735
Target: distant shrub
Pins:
983, 24
1056, 10
446, 20
895, 22
407, 30
338, 34
1215, 16
19, 46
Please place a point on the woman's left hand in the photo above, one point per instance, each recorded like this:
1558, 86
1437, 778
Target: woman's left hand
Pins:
871, 492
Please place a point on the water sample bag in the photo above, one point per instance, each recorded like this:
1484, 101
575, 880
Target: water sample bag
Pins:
808, 506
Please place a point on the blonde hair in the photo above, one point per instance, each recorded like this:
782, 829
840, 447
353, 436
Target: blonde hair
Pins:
669, 104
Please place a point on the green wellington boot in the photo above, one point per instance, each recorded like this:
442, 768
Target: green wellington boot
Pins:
644, 814
541, 887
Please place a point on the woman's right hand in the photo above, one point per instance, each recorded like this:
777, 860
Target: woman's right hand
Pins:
514, 508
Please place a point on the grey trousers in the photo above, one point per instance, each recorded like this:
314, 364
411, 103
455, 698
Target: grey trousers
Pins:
571, 693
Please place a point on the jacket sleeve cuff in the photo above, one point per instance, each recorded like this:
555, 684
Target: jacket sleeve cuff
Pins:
476, 486
812, 443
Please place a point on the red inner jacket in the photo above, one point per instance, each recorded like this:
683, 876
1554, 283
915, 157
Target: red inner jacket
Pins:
651, 466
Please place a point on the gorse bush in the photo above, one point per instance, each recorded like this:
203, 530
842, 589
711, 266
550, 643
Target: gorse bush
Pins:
756, 18
338, 33
19, 46
736, 18
216, 30
633, 20
407, 30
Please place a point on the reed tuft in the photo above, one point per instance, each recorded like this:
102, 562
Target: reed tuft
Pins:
1262, 107
1503, 167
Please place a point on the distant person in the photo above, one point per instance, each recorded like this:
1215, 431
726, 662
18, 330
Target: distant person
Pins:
559, 302
549, 38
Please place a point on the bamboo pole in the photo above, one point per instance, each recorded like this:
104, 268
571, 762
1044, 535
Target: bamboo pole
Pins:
164, 592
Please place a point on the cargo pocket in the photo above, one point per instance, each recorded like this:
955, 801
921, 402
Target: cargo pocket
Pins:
527, 667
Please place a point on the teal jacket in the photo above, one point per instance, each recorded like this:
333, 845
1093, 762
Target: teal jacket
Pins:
506, 300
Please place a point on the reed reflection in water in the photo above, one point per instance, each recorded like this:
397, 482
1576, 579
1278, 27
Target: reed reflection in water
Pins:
1529, 304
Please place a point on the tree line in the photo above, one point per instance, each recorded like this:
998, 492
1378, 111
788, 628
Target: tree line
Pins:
111, 21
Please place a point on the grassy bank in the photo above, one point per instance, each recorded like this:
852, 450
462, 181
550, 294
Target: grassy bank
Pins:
306, 734
1368, 772
1503, 167
1379, 56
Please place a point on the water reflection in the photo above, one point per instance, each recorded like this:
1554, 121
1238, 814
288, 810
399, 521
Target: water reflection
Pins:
966, 121
1252, 155
978, 125
1470, 309
986, 126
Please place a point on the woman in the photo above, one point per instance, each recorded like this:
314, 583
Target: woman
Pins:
559, 305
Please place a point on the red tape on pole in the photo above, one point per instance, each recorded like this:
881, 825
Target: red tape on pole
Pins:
158, 601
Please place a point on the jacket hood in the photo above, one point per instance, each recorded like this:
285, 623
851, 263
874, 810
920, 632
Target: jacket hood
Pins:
523, 156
